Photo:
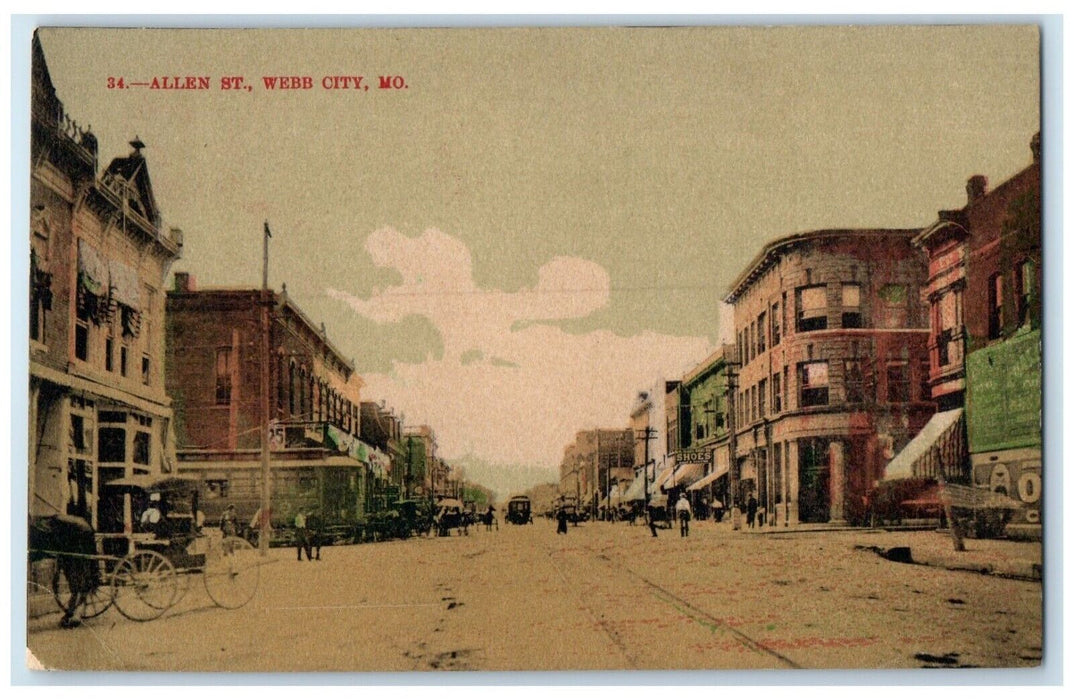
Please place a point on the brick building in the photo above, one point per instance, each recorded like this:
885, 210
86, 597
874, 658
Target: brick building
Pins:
705, 434
420, 473
831, 335
984, 294
594, 462
214, 362
99, 255
382, 430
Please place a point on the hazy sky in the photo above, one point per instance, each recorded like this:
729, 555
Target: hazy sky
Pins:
542, 221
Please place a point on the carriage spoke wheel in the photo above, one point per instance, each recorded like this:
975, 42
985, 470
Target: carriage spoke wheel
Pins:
144, 585
97, 600
232, 572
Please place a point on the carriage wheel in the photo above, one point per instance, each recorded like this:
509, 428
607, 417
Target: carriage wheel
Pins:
144, 585
232, 572
97, 600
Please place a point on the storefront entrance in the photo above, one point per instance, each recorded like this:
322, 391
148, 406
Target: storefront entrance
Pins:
814, 479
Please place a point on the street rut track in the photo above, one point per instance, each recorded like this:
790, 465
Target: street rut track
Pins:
669, 598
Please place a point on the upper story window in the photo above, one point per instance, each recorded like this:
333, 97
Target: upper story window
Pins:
892, 306
1024, 281
760, 333
813, 380
223, 376
924, 389
81, 333
995, 306
898, 382
775, 324
812, 308
853, 381
777, 397
40, 296
852, 306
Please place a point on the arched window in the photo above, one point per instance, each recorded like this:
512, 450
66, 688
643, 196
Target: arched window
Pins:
291, 389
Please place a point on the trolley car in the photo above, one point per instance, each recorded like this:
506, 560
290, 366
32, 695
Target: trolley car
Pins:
519, 510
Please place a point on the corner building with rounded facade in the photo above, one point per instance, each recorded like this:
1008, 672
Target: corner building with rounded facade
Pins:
831, 339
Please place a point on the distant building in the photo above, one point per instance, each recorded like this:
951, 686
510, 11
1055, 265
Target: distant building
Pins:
99, 255
214, 363
381, 429
704, 453
420, 460
649, 426
832, 338
984, 294
595, 465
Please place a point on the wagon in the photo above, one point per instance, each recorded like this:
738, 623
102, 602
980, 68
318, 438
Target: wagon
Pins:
146, 568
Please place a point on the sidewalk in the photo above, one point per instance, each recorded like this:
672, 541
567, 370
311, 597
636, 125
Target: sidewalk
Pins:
1009, 558
1012, 558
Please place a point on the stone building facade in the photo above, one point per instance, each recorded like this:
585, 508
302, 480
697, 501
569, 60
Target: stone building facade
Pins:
831, 335
99, 255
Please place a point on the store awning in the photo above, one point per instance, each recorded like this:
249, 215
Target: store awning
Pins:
686, 474
707, 479
663, 476
963, 497
938, 448
636, 492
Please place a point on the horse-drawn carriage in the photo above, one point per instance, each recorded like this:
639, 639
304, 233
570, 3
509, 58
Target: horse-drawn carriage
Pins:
452, 514
151, 533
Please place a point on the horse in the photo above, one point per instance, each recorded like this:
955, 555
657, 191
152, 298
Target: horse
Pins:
70, 540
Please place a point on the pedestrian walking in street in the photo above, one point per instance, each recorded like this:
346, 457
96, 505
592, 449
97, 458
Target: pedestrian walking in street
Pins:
561, 522
489, 515
302, 541
314, 525
229, 523
751, 511
652, 522
682, 509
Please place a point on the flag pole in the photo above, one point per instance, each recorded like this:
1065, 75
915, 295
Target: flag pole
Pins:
266, 493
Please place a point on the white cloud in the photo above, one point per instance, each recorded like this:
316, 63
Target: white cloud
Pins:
530, 389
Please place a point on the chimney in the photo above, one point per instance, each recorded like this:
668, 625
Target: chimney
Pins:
976, 187
184, 282
1034, 145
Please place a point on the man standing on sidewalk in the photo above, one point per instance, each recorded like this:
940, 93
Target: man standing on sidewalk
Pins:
302, 538
682, 509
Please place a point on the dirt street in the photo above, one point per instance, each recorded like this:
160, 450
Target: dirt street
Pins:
604, 596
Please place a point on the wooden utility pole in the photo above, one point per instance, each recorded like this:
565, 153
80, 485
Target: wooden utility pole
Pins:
648, 434
266, 491
732, 448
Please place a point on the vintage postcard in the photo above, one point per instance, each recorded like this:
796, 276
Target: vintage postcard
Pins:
692, 348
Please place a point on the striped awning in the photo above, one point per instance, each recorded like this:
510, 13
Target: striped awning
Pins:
686, 474
937, 449
664, 475
707, 479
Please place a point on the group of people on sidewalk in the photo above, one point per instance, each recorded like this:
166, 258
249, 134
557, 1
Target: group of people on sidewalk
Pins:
683, 513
